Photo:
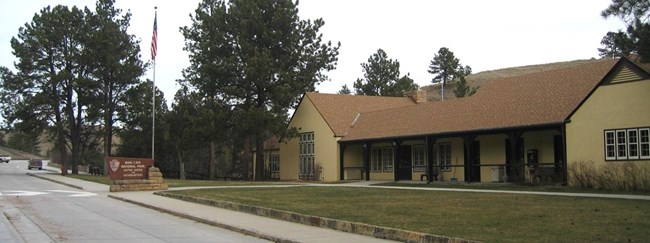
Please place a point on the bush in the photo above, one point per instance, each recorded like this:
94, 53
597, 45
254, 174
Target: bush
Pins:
623, 176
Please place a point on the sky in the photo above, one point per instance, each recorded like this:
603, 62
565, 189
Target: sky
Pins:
485, 35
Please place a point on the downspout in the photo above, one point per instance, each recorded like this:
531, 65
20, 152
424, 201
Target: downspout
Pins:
341, 162
565, 168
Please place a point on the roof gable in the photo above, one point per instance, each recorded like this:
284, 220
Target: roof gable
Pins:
340, 111
625, 71
542, 98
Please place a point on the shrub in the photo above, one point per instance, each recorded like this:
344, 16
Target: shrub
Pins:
623, 176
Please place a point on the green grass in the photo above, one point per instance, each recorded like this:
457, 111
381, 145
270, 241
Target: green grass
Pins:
477, 216
512, 187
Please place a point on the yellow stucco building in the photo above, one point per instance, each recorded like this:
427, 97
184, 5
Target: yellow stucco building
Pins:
527, 128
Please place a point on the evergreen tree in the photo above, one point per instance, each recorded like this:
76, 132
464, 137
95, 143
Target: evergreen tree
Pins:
636, 39
73, 67
53, 83
381, 77
258, 57
345, 90
461, 88
116, 65
446, 67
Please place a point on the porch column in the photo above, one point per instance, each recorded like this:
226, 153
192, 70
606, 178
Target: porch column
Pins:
396, 160
469, 168
515, 169
429, 142
565, 168
342, 162
366, 159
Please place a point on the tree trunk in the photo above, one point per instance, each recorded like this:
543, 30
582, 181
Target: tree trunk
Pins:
181, 166
108, 127
259, 156
213, 161
246, 159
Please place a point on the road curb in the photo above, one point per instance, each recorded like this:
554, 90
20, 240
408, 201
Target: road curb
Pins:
208, 222
54, 180
10, 227
379, 232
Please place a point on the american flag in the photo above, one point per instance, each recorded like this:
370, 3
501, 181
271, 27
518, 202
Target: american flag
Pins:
154, 38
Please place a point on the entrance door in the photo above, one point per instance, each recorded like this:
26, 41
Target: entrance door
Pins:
404, 162
473, 162
514, 165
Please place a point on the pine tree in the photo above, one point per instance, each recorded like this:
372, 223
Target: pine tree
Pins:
381, 77
258, 57
636, 38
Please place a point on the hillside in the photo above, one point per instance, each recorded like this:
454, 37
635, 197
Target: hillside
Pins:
17, 154
482, 78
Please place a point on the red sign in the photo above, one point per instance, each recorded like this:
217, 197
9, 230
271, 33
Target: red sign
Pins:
128, 168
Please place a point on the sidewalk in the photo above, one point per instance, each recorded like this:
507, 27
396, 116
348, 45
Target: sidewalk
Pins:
262, 227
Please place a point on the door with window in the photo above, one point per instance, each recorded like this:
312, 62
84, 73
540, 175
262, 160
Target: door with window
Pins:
404, 161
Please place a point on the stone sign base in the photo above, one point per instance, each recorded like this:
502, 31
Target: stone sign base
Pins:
154, 183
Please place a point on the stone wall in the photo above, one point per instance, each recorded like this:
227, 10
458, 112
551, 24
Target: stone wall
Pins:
154, 183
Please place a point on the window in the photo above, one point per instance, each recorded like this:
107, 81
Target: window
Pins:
274, 163
610, 145
621, 145
444, 151
274, 166
306, 155
632, 144
644, 143
381, 159
375, 159
627, 144
387, 158
419, 163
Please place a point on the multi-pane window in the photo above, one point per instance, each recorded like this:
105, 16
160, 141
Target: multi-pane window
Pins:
610, 145
381, 159
627, 144
644, 143
444, 151
632, 144
419, 163
274, 166
274, 163
306, 154
375, 159
440, 156
388, 155
621, 144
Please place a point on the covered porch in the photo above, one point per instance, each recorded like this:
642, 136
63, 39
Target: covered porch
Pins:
533, 154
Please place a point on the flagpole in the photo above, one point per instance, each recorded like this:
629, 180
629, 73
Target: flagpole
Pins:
154, 50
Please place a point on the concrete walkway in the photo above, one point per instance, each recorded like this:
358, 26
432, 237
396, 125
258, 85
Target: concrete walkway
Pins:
268, 228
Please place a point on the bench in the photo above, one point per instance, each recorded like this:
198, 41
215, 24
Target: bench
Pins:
426, 175
95, 170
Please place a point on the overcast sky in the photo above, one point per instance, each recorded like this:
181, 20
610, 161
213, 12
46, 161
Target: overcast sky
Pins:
485, 35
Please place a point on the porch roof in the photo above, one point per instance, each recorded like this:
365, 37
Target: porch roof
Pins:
542, 98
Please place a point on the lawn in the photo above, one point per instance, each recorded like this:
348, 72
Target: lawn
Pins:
513, 187
477, 216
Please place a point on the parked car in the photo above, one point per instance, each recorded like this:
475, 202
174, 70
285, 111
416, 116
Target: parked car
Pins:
35, 164
4, 158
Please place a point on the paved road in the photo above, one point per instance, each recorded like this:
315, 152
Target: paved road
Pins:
36, 210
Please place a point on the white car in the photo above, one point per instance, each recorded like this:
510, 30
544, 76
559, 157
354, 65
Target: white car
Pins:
4, 158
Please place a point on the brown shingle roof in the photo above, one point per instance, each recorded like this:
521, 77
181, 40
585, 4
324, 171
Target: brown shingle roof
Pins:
339, 111
542, 98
